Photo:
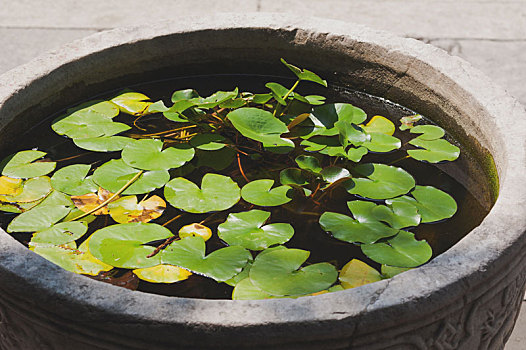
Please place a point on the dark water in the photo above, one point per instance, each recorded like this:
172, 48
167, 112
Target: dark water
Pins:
301, 213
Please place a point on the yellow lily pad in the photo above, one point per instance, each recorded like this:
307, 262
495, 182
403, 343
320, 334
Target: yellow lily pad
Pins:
379, 124
31, 191
357, 273
195, 229
126, 209
90, 201
163, 273
10, 186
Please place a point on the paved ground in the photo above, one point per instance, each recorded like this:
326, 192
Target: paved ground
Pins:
491, 34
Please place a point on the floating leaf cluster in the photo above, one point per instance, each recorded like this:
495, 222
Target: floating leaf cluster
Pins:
95, 219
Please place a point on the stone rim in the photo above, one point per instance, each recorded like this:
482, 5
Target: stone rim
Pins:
498, 237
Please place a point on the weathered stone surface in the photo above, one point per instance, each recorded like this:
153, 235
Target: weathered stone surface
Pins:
22, 45
466, 298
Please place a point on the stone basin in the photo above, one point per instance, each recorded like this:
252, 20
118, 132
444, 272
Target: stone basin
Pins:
466, 298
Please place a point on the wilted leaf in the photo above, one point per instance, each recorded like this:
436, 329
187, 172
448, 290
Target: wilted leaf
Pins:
131, 102
195, 229
10, 186
32, 190
126, 209
90, 201
162, 274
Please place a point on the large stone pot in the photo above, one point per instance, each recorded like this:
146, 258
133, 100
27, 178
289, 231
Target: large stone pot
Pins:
466, 298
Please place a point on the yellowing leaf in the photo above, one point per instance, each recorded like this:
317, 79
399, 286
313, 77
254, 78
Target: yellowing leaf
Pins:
162, 274
10, 186
195, 230
357, 273
380, 125
90, 201
133, 103
31, 191
127, 209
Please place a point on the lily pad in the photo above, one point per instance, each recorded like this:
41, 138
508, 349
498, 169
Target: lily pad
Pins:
113, 175
358, 230
260, 125
433, 151
32, 190
432, 204
397, 214
94, 109
195, 230
356, 273
10, 186
246, 229
147, 154
332, 174
90, 201
390, 271
185, 94
326, 116
380, 181
245, 290
217, 193
279, 273
162, 274
126, 209
104, 143
259, 192
61, 233
278, 91
123, 245
73, 180
408, 121
304, 74
38, 218
23, 165
292, 176
79, 126
351, 134
429, 132
208, 142
379, 124
70, 258
131, 102
215, 99
382, 143
221, 265
309, 163
403, 250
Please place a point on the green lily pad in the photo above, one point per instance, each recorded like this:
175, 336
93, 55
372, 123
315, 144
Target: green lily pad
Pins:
433, 151
304, 74
73, 180
292, 176
332, 174
380, 181
95, 108
17, 208
78, 126
260, 98
259, 192
215, 99
351, 134
38, 218
309, 163
123, 245
315, 99
185, 94
260, 125
359, 230
208, 142
397, 214
175, 112
356, 273
429, 132
245, 290
147, 154
279, 273
70, 258
221, 265
382, 143
217, 160
379, 124
326, 116
23, 165
432, 204
157, 107
391, 271
217, 193
162, 274
246, 229
356, 154
32, 190
113, 175
61, 233
131, 102
278, 91
104, 143
403, 250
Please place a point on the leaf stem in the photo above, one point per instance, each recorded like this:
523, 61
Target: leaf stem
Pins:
241, 168
172, 220
171, 130
285, 97
162, 246
109, 200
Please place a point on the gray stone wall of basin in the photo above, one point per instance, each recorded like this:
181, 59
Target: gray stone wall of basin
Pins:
466, 298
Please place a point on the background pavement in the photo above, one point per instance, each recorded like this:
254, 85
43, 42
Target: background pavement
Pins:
491, 34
